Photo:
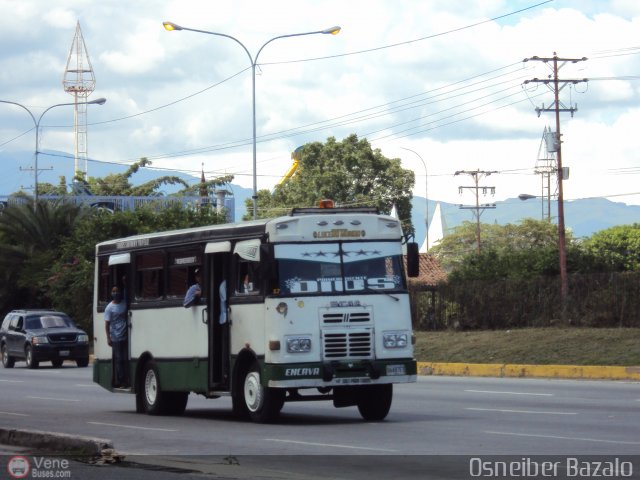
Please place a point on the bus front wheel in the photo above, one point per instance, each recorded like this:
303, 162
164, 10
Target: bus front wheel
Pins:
262, 403
374, 401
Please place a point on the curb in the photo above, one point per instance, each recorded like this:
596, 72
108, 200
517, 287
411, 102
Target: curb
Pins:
51, 442
535, 371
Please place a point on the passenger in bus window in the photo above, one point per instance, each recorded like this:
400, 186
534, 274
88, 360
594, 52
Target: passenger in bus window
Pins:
115, 317
247, 284
195, 291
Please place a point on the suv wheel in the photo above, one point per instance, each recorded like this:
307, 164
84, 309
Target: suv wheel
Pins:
28, 355
7, 360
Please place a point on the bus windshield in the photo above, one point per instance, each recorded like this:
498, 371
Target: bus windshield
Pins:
345, 267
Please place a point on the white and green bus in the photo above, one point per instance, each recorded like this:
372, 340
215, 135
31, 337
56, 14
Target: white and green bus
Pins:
314, 306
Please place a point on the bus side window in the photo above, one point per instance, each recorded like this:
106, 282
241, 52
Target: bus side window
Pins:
180, 274
150, 276
247, 280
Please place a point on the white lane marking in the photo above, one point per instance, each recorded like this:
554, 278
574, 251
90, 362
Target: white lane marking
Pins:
511, 393
132, 426
15, 414
56, 399
519, 411
582, 439
12, 381
329, 445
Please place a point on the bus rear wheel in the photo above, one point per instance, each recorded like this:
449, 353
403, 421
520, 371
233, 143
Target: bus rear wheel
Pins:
374, 401
262, 403
151, 397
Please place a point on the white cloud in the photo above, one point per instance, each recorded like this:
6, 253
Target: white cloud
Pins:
416, 94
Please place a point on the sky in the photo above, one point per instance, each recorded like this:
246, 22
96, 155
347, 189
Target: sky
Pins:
438, 84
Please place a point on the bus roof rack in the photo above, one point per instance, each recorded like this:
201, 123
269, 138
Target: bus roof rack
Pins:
329, 211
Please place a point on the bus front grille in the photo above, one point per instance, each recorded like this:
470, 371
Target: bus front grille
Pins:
345, 345
348, 317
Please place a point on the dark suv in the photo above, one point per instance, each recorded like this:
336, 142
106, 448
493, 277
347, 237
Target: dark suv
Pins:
42, 335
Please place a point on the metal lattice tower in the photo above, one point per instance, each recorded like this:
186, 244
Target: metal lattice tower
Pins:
79, 81
546, 167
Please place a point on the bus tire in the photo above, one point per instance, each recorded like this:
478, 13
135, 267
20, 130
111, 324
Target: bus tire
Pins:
374, 401
263, 403
153, 399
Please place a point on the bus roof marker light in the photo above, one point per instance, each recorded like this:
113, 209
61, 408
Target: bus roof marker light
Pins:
338, 222
282, 226
356, 222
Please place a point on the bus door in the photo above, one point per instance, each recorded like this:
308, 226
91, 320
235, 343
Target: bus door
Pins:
217, 260
120, 275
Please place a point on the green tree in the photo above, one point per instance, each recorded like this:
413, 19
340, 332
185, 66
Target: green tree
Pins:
349, 172
512, 250
118, 184
50, 189
616, 248
29, 241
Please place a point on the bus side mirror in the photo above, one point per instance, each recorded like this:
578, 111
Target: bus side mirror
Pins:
413, 260
267, 263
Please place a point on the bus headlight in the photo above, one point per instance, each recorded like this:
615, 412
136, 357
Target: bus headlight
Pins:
298, 344
395, 339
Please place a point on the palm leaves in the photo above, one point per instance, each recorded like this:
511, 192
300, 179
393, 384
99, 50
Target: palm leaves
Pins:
28, 244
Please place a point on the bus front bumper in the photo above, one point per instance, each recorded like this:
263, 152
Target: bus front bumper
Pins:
343, 373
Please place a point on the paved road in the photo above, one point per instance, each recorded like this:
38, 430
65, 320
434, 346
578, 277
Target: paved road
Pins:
436, 416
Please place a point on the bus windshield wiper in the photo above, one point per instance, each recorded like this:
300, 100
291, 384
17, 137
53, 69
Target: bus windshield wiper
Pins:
369, 289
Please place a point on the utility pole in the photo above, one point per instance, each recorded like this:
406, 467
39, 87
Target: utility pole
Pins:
556, 85
477, 175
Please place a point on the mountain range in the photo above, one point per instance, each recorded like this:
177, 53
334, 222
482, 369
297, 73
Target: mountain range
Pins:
582, 217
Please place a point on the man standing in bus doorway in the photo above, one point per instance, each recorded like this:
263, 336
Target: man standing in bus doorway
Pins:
194, 293
224, 329
115, 317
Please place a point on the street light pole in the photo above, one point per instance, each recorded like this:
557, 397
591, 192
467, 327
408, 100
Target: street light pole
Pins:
36, 124
169, 26
426, 194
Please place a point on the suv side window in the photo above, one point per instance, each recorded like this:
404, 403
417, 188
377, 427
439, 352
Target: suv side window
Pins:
16, 323
5, 322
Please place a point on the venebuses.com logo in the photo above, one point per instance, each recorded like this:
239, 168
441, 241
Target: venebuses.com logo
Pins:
18, 467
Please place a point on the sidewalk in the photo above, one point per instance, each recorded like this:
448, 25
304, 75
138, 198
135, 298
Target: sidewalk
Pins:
533, 371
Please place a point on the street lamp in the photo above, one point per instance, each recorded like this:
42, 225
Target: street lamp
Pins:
528, 196
169, 26
426, 196
36, 124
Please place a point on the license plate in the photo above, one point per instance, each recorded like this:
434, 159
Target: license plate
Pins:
396, 370
63, 353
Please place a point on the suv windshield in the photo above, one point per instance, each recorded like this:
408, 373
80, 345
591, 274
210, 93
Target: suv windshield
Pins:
339, 267
48, 321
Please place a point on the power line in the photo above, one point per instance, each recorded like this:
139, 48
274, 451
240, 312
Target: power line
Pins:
428, 37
